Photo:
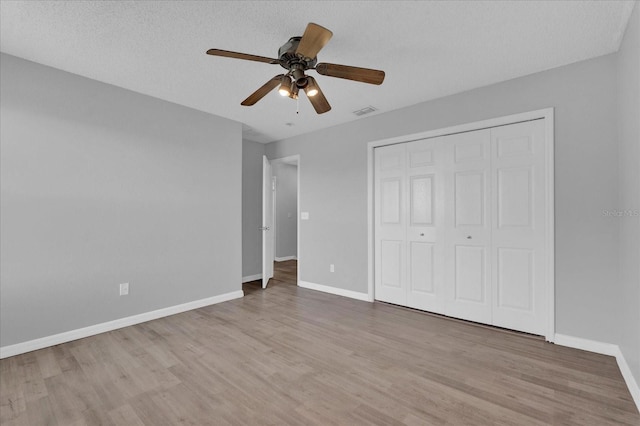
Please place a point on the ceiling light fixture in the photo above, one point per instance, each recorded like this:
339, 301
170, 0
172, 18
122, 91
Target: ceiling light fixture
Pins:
296, 56
294, 91
285, 86
311, 89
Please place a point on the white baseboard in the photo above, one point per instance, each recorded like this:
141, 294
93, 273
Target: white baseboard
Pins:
632, 384
335, 290
282, 259
605, 349
586, 344
251, 278
68, 336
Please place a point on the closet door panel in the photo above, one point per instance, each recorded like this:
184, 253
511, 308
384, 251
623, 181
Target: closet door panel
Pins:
469, 274
468, 286
391, 254
391, 201
421, 273
390, 224
514, 193
514, 278
519, 227
422, 199
425, 233
469, 197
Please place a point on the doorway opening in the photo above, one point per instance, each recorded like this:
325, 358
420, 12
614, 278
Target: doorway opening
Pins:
285, 275
281, 216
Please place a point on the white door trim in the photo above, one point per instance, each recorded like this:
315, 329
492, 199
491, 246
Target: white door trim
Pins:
547, 114
267, 222
290, 159
274, 212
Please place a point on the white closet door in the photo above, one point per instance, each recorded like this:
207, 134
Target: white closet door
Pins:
519, 226
425, 225
390, 226
468, 289
460, 226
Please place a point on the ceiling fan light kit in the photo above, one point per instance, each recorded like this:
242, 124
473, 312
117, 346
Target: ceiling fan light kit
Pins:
294, 91
285, 86
311, 89
298, 55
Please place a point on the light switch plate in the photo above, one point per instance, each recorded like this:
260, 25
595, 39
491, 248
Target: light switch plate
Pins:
304, 215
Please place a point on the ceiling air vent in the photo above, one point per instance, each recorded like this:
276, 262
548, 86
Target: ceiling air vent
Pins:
365, 110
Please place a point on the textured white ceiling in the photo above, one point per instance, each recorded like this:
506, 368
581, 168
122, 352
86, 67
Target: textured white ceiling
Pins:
427, 49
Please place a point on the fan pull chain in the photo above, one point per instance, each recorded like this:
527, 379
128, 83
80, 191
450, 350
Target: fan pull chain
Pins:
297, 105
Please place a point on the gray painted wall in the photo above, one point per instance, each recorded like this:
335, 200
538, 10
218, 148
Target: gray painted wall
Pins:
333, 185
286, 209
252, 153
100, 186
629, 133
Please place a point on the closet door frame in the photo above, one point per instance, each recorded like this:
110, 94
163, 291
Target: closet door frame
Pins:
548, 115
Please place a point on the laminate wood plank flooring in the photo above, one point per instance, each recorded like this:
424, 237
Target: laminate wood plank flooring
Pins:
292, 356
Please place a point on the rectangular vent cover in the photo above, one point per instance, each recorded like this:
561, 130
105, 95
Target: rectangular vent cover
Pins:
365, 110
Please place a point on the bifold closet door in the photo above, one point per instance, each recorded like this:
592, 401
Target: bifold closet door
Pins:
468, 289
390, 224
460, 226
425, 220
409, 214
519, 227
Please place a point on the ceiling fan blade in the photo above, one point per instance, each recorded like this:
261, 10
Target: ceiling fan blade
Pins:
319, 102
262, 91
246, 56
364, 75
314, 38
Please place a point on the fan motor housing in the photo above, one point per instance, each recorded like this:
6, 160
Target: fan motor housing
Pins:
287, 55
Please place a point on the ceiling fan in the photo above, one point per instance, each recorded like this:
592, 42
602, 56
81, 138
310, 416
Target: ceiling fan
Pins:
297, 56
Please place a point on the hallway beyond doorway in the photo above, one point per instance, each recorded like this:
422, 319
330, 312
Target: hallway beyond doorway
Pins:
284, 274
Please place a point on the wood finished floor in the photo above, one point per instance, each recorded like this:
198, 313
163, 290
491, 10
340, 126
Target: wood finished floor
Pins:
289, 355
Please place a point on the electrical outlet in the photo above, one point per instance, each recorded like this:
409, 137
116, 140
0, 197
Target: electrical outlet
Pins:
124, 289
332, 268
